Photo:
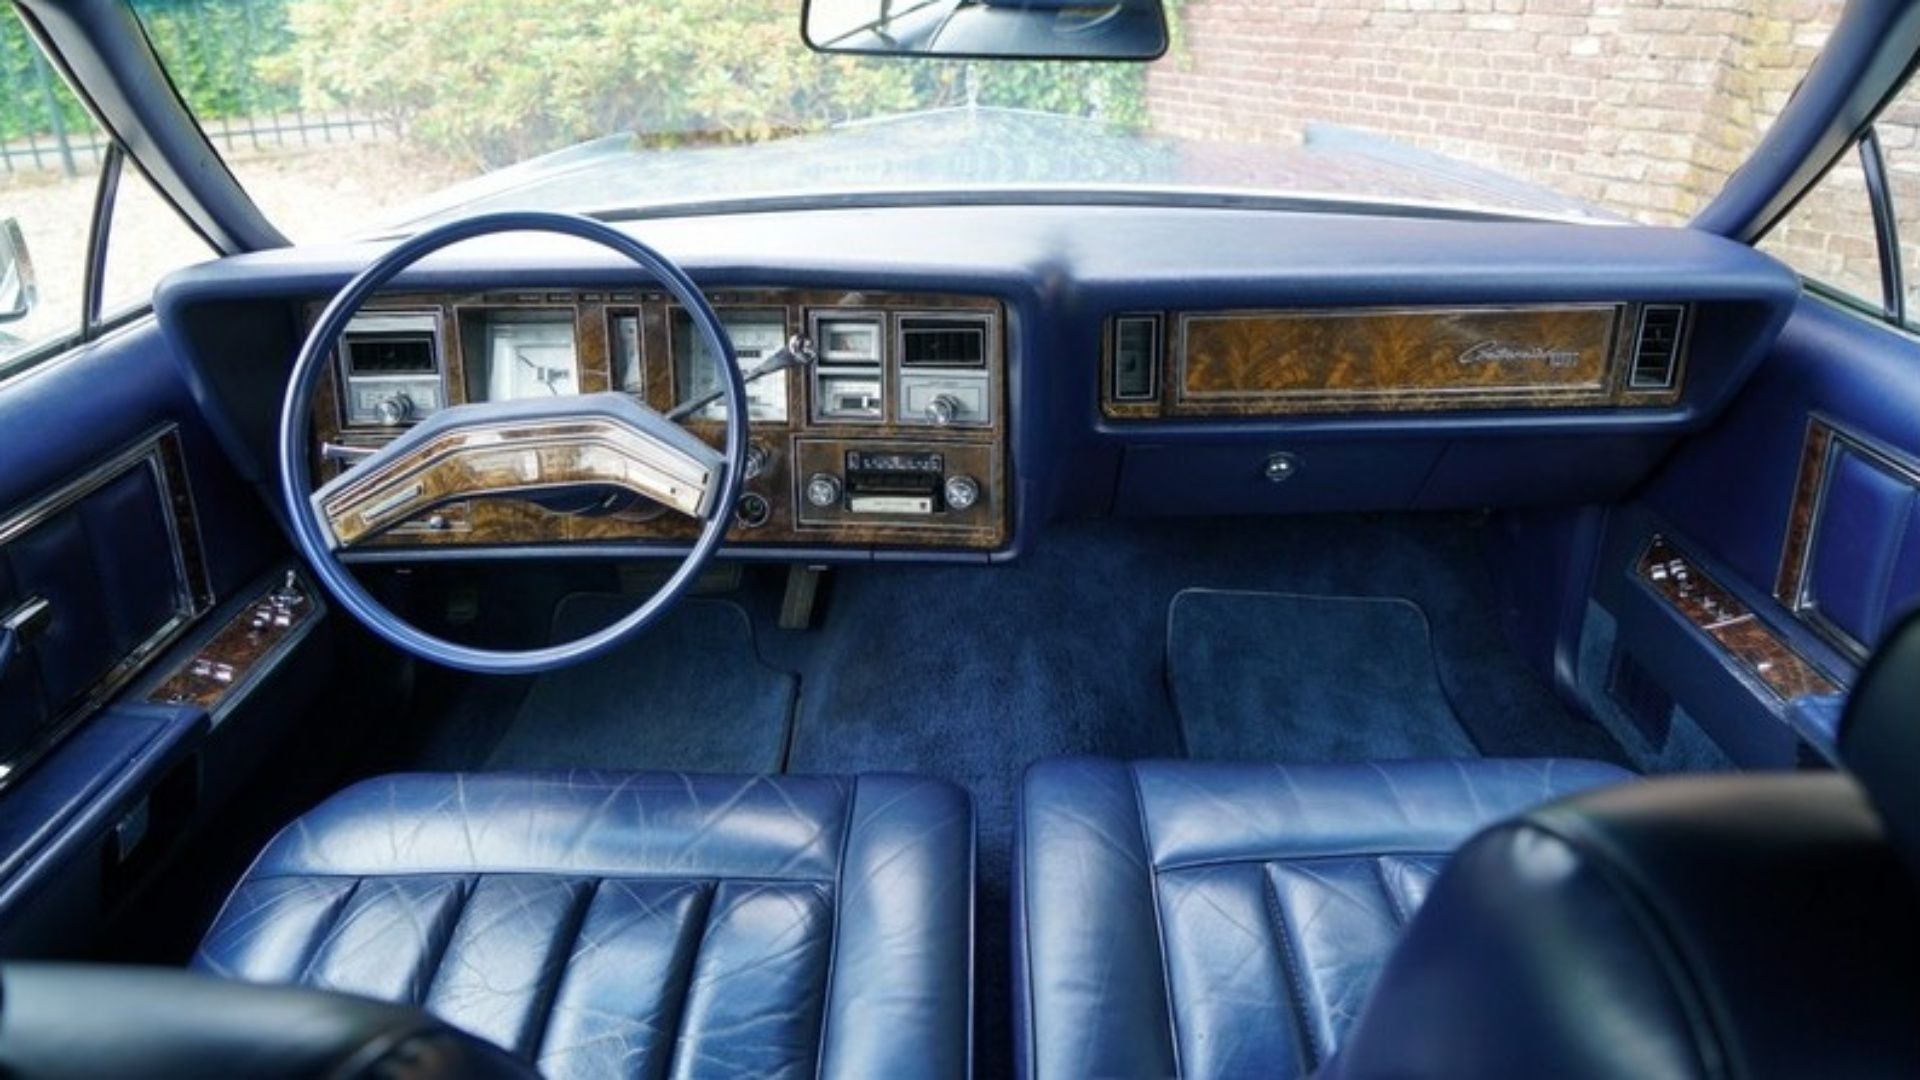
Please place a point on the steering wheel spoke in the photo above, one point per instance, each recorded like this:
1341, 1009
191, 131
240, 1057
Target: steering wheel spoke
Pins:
520, 449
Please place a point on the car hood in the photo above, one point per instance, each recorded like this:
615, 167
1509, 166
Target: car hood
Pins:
987, 150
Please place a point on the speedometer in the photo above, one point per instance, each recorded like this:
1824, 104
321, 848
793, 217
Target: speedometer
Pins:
530, 354
755, 335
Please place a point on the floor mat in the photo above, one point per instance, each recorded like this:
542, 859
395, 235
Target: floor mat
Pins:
690, 693
1262, 676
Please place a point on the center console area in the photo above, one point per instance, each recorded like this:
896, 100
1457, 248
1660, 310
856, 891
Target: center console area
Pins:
895, 438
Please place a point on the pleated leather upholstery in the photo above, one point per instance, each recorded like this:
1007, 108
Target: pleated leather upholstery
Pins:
1206, 919
634, 924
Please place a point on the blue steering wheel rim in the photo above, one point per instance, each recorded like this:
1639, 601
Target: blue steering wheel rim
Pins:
296, 479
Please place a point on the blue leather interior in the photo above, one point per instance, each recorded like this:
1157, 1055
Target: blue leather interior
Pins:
1062, 271
1223, 919
105, 565
1865, 556
1826, 362
601, 923
1705, 926
1879, 741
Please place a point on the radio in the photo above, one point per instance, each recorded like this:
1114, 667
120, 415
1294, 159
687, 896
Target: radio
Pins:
886, 483
891, 482
390, 367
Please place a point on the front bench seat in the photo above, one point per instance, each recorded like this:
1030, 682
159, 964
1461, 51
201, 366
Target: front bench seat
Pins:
602, 924
1209, 919
1227, 920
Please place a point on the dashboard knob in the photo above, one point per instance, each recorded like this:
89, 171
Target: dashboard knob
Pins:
752, 511
942, 410
758, 458
393, 409
823, 490
962, 492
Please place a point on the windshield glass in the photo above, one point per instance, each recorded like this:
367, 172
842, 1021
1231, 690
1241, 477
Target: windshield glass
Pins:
348, 117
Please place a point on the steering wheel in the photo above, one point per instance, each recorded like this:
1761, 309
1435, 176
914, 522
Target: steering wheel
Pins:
564, 450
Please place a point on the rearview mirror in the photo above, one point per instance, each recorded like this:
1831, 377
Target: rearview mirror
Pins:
18, 292
990, 29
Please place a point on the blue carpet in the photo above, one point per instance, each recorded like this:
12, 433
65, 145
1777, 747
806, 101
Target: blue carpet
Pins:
971, 673
1259, 676
691, 693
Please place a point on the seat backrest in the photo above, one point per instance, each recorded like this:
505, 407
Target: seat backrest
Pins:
1740, 925
78, 1020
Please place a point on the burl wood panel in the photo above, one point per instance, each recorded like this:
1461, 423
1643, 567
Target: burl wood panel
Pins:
238, 649
509, 522
1331, 359
1288, 362
1787, 586
1716, 612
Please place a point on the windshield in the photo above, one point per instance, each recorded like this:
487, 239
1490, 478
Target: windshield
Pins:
345, 117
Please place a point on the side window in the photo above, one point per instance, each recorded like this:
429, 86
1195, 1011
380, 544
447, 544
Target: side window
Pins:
1829, 236
55, 166
1853, 236
147, 241
50, 158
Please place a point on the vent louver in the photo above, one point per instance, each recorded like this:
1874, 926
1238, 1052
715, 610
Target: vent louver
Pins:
1656, 348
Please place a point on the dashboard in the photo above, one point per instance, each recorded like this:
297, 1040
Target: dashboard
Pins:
985, 370
895, 436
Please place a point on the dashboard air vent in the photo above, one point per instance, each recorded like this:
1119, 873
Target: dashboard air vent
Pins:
1656, 348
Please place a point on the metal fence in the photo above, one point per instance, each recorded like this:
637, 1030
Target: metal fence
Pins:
211, 46
75, 153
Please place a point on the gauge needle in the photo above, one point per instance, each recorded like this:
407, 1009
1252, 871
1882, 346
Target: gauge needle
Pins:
548, 377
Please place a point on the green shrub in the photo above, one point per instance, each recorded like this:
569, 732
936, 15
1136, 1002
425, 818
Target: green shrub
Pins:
490, 82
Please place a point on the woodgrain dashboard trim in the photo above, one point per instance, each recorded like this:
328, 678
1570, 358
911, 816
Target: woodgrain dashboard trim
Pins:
1761, 655
507, 523
1254, 363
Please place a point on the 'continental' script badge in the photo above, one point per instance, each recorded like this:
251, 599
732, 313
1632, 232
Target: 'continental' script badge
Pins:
1505, 352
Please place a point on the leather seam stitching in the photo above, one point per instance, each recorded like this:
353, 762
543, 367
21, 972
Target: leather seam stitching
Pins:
833, 949
1153, 901
430, 971
1290, 965
583, 875
1330, 856
564, 945
323, 933
1401, 916
710, 888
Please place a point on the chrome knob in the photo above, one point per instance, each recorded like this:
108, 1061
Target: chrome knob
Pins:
962, 492
942, 410
758, 458
393, 409
823, 490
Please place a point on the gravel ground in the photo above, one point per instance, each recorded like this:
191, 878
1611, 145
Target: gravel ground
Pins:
315, 193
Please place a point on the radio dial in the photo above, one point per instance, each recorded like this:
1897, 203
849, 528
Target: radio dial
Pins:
962, 492
942, 410
823, 490
393, 409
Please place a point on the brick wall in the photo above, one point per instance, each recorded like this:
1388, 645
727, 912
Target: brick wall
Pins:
1643, 106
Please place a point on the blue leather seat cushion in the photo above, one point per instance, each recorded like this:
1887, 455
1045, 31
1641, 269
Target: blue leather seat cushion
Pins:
606, 924
1208, 919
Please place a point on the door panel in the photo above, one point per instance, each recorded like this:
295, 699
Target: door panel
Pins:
110, 565
118, 509
1803, 505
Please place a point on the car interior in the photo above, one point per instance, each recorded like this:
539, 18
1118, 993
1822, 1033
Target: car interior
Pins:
992, 633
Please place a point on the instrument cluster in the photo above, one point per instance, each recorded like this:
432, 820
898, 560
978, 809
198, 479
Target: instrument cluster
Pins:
892, 434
